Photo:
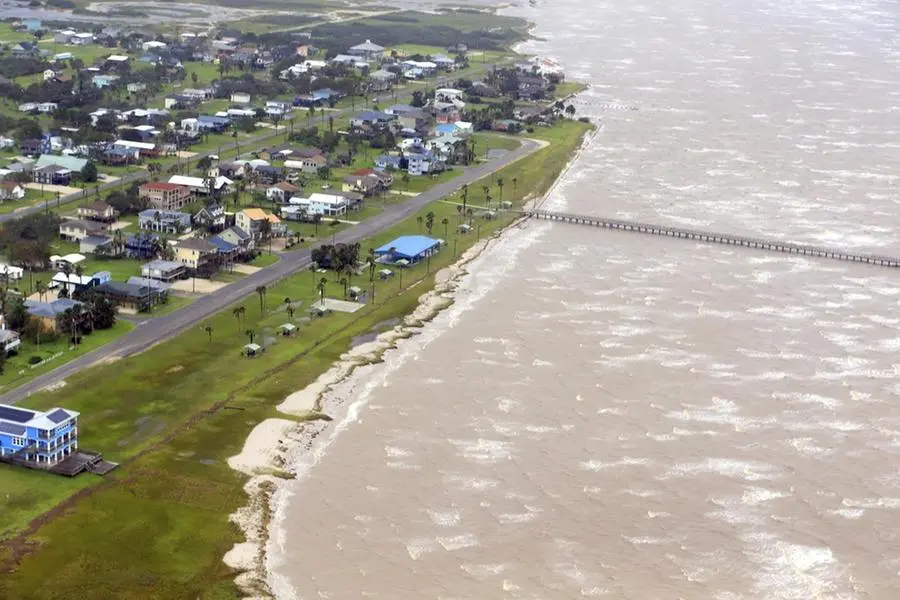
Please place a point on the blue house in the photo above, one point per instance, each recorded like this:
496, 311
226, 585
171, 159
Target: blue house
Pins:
35, 438
32, 24
141, 245
411, 248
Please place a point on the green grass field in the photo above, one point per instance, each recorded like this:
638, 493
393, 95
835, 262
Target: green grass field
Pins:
157, 527
31, 198
17, 370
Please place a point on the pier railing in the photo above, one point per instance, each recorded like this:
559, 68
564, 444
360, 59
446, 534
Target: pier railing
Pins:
716, 238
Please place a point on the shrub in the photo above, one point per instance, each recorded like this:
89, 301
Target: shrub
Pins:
35, 360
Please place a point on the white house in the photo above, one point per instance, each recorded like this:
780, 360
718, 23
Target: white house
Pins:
199, 184
326, 205
240, 98
153, 45
10, 190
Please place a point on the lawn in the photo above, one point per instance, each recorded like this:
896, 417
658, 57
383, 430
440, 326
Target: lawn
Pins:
17, 369
8, 35
31, 198
206, 73
174, 413
264, 260
568, 88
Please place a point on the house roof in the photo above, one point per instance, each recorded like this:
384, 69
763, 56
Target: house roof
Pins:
367, 46
238, 232
255, 214
73, 163
409, 246
97, 207
82, 224
50, 309
163, 186
285, 187
198, 244
163, 265
126, 290
222, 245
147, 282
150, 213
96, 240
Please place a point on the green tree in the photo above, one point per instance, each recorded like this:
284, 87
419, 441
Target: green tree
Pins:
261, 291
89, 172
250, 334
445, 222
323, 283
209, 331
429, 222
239, 314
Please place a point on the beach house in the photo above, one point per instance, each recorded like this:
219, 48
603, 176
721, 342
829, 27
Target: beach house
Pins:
43, 438
408, 249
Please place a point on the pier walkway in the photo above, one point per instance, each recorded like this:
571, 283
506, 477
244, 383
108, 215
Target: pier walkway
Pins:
716, 238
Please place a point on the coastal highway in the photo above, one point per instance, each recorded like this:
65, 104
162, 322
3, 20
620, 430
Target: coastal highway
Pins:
159, 329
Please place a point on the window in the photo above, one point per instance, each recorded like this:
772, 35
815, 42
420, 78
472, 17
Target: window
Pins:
18, 441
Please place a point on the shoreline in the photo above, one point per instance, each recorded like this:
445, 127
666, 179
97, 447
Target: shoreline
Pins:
274, 446
273, 450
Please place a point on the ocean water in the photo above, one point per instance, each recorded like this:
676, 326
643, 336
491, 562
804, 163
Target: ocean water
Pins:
606, 414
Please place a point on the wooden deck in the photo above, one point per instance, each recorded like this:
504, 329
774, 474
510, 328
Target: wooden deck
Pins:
717, 238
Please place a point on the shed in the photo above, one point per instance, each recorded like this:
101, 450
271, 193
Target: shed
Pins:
287, 329
251, 350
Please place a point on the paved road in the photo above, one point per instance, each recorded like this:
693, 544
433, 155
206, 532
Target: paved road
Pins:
161, 328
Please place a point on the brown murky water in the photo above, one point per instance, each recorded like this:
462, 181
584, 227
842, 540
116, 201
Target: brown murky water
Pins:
607, 414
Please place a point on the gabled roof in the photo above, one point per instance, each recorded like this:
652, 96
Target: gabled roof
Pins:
367, 46
198, 244
238, 232
72, 163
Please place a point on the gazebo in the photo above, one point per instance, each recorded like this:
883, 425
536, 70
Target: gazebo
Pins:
287, 329
251, 350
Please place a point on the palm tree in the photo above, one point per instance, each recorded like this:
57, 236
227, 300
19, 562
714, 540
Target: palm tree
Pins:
261, 290
239, 313
469, 214
371, 262
445, 222
459, 212
41, 289
321, 287
487, 191
465, 195
312, 270
250, 334
429, 222
500, 184
287, 303
208, 329
290, 311
420, 220
515, 181
344, 282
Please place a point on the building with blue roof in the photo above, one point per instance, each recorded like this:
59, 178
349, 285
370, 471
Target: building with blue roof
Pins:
41, 439
411, 248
